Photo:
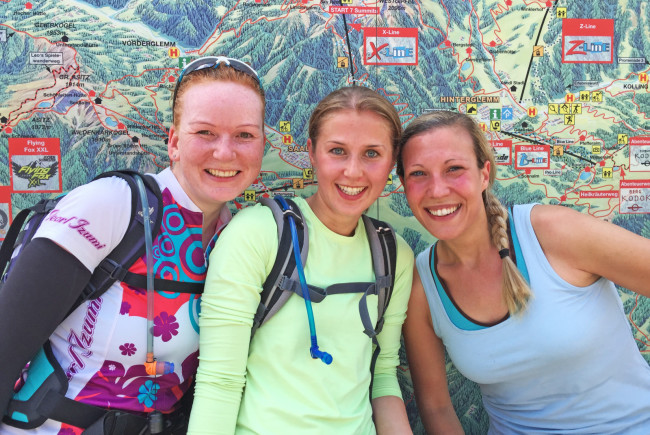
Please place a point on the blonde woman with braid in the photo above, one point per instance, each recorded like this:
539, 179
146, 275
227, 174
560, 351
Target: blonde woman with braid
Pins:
525, 304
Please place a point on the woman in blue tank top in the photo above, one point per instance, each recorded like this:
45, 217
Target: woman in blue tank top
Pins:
525, 306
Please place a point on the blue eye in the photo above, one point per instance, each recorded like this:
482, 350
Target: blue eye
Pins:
372, 153
337, 151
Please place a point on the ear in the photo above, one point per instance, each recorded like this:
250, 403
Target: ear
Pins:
310, 150
172, 145
485, 174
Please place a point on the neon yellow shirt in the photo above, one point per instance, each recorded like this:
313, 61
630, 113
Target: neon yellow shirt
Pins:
286, 391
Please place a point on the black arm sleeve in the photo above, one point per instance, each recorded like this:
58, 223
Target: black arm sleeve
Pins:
42, 287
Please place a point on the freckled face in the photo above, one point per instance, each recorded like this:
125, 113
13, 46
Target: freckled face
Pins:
352, 158
217, 144
443, 182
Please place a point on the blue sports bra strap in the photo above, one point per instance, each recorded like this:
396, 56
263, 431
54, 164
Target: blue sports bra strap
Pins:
519, 255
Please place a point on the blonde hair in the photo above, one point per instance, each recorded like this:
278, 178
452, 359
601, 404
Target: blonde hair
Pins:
516, 291
357, 98
221, 73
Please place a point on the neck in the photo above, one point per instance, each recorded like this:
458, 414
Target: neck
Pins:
469, 249
341, 224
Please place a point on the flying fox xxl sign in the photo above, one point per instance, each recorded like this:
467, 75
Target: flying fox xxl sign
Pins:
35, 165
587, 41
390, 46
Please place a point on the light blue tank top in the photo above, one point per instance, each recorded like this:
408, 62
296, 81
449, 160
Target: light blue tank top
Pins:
569, 364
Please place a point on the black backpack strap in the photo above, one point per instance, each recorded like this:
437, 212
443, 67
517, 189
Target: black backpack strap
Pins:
115, 266
132, 246
16, 233
383, 248
273, 296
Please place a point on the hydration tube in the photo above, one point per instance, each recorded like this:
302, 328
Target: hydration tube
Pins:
152, 366
313, 350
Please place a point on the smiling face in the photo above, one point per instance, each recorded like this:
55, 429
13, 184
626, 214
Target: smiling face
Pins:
217, 144
352, 158
443, 182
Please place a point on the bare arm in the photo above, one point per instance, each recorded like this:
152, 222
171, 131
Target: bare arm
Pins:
581, 248
426, 357
390, 416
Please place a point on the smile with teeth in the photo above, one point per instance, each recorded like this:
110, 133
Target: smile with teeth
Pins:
443, 211
349, 190
220, 173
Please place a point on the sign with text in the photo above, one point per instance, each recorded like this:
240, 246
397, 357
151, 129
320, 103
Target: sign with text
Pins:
587, 40
35, 165
639, 153
532, 157
502, 151
635, 197
390, 46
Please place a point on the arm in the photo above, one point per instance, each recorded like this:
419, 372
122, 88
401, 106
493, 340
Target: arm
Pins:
63, 277
51, 271
426, 357
388, 407
581, 248
390, 416
239, 264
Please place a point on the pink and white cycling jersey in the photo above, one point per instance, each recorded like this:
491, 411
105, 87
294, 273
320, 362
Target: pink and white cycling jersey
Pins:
102, 345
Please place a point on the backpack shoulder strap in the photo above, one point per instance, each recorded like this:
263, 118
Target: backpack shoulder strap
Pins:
132, 246
273, 296
383, 248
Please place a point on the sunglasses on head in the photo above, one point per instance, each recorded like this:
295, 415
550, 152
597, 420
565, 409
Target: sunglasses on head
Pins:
214, 62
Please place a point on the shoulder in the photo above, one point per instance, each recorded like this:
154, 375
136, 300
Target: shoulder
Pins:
102, 193
405, 256
248, 243
252, 228
255, 219
555, 220
90, 220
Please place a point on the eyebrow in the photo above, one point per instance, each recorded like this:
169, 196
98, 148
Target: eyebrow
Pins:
199, 122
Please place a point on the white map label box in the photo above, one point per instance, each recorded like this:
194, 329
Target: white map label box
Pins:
635, 197
640, 154
45, 58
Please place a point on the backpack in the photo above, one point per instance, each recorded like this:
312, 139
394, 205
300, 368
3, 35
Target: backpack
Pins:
43, 395
283, 281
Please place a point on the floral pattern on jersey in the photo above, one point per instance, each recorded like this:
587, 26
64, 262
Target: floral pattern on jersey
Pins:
177, 255
125, 308
165, 326
148, 393
117, 387
128, 349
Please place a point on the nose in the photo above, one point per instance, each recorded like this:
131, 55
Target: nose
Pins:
353, 167
224, 149
438, 188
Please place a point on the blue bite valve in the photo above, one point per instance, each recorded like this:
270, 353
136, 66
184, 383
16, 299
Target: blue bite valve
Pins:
323, 356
